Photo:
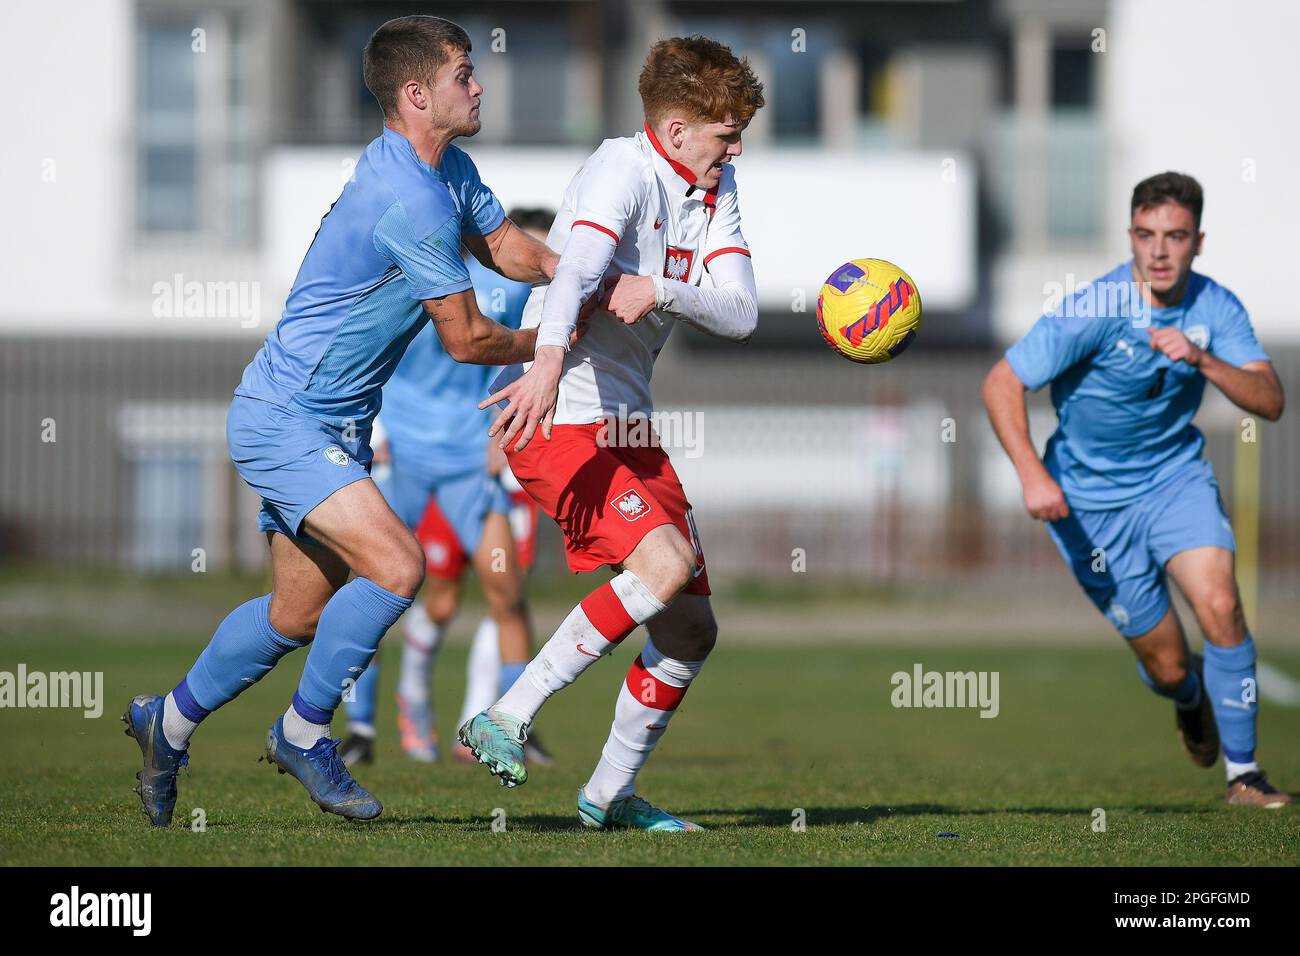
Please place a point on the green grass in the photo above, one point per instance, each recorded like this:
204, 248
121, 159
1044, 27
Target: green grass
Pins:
765, 731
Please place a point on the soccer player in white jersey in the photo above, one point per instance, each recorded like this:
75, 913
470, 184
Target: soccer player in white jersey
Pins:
642, 221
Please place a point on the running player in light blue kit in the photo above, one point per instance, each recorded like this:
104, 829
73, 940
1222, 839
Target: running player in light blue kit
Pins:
385, 260
1123, 483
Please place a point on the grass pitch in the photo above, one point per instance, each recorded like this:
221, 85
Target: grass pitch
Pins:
767, 736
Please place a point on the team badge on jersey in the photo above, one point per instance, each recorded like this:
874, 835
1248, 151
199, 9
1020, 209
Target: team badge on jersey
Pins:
631, 505
336, 455
677, 263
1199, 335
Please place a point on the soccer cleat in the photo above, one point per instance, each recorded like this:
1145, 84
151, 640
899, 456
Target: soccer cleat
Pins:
1252, 789
630, 813
358, 748
415, 723
497, 741
1196, 726
321, 771
162, 763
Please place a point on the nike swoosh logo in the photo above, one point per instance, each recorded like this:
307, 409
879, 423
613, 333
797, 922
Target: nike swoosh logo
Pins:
588, 653
658, 223
655, 726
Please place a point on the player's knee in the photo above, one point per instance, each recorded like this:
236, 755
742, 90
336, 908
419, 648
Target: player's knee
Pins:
506, 602
664, 561
1221, 614
401, 570
297, 624
704, 636
1167, 670
441, 604
680, 567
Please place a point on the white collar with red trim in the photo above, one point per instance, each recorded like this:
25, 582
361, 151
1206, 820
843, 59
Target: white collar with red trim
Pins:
673, 170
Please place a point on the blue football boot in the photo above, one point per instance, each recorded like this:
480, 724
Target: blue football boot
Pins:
162, 763
322, 772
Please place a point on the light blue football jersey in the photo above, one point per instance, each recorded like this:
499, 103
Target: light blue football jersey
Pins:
1124, 410
391, 240
431, 413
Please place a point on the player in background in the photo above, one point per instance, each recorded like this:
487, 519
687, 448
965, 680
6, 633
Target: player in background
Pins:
641, 221
385, 260
444, 479
1123, 484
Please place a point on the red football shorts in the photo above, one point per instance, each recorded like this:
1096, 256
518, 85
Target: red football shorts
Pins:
605, 498
445, 558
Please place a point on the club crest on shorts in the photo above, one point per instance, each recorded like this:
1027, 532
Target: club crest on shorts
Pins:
336, 455
677, 263
631, 505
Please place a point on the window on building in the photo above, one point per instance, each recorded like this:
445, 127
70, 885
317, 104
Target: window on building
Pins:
195, 174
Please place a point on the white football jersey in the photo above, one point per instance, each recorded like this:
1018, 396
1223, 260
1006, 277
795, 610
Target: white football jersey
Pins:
663, 225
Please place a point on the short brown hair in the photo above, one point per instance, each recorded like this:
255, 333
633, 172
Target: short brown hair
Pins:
1169, 187
701, 77
408, 48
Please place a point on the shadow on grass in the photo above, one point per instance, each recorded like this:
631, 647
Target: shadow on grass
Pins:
768, 817
781, 817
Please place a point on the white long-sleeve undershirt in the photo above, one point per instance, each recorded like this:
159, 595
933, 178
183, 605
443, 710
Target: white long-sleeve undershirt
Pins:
729, 310
579, 275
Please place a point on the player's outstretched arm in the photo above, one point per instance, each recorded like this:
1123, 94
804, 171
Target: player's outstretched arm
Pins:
471, 337
1004, 398
729, 310
514, 254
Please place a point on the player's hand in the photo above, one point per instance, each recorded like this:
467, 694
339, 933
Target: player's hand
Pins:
1176, 346
628, 297
530, 400
1044, 499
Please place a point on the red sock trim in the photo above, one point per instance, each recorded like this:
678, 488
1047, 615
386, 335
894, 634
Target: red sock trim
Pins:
607, 614
650, 690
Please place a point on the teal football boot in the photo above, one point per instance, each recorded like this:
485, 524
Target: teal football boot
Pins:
497, 741
630, 813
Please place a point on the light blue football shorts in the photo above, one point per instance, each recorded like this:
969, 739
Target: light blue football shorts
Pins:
1119, 555
292, 461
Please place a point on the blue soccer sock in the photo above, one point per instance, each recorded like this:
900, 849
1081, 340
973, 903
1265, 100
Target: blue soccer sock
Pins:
241, 652
1230, 682
365, 698
347, 636
1186, 694
511, 673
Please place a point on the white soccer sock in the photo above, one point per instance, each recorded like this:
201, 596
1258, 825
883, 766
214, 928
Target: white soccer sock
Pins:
177, 728
1234, 770
301, 732
421, 640
592, 629
483, 671
647, 700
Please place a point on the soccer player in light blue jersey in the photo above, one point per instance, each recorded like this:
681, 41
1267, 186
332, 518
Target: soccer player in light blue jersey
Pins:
385, 260
1128, 496
436, 443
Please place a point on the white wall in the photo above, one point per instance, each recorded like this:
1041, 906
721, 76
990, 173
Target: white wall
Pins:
805, 212
1209, 88
65, 103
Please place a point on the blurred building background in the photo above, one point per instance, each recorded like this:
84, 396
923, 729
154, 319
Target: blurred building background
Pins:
163, 175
